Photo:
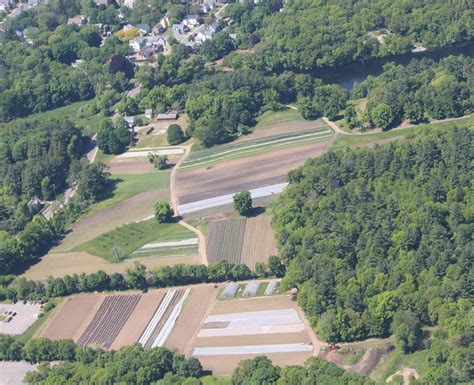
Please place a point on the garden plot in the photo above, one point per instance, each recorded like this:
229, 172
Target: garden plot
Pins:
242, 240
244, 328
154, 151
185, 246
18, 317
109, 320
225, 241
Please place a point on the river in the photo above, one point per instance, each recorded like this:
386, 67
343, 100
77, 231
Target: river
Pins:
346, 76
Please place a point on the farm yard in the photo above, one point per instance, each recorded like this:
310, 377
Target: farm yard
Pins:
241, 240
245, 328
246, 173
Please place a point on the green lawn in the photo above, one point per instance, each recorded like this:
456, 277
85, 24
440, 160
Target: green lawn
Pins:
167, 251
102, 157
151, 141
119, 243
128, 185
269, 118
397, 360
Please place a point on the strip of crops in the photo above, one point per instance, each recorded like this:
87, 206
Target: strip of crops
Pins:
230, 148
226, 240
109, 320
259, 241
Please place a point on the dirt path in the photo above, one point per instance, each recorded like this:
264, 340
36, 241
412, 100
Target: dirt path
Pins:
174, 204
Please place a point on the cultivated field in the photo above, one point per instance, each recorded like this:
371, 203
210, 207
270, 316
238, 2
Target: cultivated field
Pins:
241, 240
244, 328
246, 173
164, 317
225, 240
262, 140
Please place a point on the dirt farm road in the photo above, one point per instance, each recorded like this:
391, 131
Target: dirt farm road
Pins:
174, 204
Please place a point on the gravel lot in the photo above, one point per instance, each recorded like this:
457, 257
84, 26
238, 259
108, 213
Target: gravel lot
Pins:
25, 316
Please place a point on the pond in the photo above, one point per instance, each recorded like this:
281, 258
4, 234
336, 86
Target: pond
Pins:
346, 76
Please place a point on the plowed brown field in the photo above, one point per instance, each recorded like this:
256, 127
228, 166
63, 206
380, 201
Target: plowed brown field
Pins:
259, 241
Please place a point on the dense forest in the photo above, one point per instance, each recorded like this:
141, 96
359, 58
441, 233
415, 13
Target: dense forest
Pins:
381, 239
313, 34
421, 90
38, 161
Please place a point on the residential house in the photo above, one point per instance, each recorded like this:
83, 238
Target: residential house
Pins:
144, 29
192, 21
157, 29
137, 44
77, 20
165, 21
131, 121
159, 43
208, 6
5, 5
128, 27
203, 35
179, 29
214, 27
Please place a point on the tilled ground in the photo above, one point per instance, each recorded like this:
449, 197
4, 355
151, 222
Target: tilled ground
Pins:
244, 173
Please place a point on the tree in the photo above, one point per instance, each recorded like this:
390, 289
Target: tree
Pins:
350, 114
382, 116
255, 371
119, 63
93, 183
175, 134
407, 331
136, 276
243, 202
276, 266
158, 161
163, 212
113, 138
308, 109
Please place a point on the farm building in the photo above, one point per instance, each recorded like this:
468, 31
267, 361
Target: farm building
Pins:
251, 289
270, 289
230, 290
168, 116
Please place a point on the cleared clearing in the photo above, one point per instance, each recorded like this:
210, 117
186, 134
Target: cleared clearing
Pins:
60, 264
259, 241
225, 240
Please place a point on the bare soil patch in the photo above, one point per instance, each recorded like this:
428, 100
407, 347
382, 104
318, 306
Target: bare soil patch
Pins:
245, 173
260, 339
130, 166
253, 304
72, 317
60, 264
259, 242
193, 313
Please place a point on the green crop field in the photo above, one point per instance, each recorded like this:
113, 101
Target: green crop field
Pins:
233, 150
119, 243
226, 239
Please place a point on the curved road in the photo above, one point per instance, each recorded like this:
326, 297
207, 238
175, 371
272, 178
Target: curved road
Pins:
174, 204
